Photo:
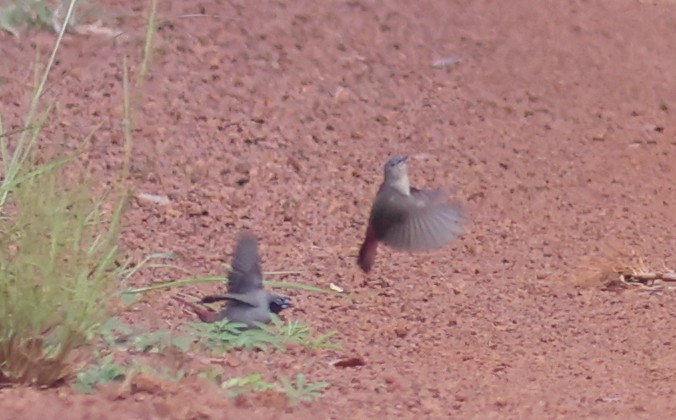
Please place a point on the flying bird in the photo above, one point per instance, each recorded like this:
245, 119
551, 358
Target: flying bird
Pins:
246, 300
406, 218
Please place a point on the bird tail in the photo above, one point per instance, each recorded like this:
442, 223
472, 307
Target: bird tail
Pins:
215, 298
367, 252
203, 314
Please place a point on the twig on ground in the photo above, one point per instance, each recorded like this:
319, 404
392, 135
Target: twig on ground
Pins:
648, 278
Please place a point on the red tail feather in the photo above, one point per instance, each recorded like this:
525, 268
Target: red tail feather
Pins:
203, 314
367, 252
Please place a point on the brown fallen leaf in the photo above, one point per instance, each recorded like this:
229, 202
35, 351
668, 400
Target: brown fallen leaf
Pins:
137, 382
349, 362
151, 385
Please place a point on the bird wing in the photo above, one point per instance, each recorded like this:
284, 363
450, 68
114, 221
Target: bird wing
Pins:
420, 221
246, 274
251, 298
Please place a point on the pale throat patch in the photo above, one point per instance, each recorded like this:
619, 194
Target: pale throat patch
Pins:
402, 185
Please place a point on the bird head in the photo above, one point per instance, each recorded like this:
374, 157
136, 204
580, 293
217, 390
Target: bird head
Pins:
396, 175
279, 303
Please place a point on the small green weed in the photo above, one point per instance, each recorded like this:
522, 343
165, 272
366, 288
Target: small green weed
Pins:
116, 334
301, 390
235, 387
99, 373
296, 391
223, 336
18, 15
296, 332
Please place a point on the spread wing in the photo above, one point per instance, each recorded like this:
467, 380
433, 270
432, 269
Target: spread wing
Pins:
417, 222
246, 274
250, 299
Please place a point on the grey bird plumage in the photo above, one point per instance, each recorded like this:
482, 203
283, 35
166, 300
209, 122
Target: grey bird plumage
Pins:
247, 302
407, 218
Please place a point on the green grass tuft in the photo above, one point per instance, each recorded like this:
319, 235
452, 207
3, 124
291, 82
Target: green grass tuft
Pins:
221, 279
151, 27
57, 254
58, 245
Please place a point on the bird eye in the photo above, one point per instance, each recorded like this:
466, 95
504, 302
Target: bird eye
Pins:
395, 160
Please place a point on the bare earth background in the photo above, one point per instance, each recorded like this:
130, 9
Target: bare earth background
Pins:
553, 121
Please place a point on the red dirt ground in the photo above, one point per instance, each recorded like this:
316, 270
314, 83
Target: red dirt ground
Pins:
553, 125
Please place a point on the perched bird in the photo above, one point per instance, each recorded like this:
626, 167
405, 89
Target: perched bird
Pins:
246, 300
406, 218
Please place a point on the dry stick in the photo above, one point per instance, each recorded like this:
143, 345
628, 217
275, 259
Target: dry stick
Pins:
647, 278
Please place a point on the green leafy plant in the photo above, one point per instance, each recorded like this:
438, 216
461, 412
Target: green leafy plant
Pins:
158, 341
19, 14
295, 332
111, 330
101, 372
104, 371
296, 391
116, 334
245, 384
301, 390
223, 336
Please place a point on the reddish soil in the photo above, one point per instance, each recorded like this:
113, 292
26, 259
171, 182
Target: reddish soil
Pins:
552, 121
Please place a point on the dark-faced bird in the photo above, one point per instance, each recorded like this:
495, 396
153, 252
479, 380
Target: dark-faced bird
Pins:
246, 301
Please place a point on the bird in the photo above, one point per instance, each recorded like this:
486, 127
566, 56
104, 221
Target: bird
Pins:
247, 302
407, 218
